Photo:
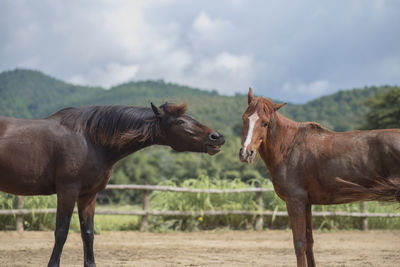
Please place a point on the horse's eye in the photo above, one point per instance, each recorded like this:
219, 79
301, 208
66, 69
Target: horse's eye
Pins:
265, 124
180, 122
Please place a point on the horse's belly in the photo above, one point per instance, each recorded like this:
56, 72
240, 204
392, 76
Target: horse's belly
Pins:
22, 181
335, 198
26, 189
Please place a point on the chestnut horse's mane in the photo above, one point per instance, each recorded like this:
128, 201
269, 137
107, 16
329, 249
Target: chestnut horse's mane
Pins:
314, 126
115, 125
267, 106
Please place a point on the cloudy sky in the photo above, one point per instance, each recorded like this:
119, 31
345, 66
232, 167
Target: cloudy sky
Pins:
288, 50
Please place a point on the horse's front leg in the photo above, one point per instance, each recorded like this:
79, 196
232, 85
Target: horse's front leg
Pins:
297, 214
309, 236
86, 206
65, 207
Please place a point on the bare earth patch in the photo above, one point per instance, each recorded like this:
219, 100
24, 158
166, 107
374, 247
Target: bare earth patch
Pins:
221, 248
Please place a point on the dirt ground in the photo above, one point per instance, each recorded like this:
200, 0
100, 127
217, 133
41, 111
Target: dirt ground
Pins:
220, 248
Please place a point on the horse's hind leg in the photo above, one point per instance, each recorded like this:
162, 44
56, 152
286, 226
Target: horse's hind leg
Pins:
86, 205
309, 236
65, 206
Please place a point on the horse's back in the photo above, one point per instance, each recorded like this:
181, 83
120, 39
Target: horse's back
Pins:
31, 154
374, 152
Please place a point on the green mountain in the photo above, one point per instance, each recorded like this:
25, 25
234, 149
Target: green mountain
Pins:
32, 94
341, 111
27, 93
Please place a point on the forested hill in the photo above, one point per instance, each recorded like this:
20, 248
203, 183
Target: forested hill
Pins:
28, 93
32, 94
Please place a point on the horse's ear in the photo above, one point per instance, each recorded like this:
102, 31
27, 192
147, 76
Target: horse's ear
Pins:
157, 111
278, 106
250, 96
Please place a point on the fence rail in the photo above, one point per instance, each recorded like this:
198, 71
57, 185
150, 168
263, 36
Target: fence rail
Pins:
20, 211
186, 190
201, 213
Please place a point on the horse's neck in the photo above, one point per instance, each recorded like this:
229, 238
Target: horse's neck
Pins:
277, 142
116, 154
132, 143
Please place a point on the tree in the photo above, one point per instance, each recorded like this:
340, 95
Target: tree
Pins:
384, 110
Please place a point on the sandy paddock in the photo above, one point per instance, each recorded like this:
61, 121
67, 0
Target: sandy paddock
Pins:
220, 248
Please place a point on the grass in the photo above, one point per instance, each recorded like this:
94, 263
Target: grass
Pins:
117, 222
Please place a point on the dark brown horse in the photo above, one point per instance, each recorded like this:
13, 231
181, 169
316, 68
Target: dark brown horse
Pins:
72, 154
310, 164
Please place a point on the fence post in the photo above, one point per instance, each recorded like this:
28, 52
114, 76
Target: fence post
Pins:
20, 218
143, 222
364, 222
259, 219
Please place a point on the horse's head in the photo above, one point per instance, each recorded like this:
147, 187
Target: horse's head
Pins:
256, 120
184, 133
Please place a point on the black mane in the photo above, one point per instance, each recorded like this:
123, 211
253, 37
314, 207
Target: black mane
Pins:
111, 125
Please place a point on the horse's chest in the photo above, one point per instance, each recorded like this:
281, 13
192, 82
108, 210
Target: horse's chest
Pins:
281, 186
288, 183
97, 181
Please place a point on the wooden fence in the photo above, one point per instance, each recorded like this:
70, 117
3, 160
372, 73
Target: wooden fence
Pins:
145, 212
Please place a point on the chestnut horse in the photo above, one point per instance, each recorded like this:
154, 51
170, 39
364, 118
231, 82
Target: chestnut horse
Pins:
310, 164
72, 154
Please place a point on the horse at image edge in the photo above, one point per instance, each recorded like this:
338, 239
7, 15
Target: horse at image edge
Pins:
310, 164
72, 153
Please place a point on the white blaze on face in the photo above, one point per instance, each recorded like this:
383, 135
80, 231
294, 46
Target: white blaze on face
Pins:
252, 121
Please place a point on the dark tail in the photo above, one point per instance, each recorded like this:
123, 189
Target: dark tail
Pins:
379, 189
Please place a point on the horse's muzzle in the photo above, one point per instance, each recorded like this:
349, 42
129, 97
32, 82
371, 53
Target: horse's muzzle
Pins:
247, 156
214, 143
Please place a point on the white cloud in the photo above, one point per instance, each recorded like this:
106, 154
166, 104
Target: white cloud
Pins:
226, 72
111, 74
286, 50
209, 29
311, 90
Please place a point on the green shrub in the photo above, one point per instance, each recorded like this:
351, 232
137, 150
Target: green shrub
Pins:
33, 221
162, 200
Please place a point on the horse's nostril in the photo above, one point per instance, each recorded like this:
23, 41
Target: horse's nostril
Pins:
251, 152
214, 136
